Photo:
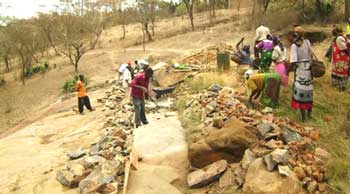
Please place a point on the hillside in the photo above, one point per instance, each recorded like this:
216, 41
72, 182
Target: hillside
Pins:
39, 125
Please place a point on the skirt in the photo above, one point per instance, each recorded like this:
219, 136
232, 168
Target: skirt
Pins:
265, 61
302, 99
270, 95
281, 69
341, 83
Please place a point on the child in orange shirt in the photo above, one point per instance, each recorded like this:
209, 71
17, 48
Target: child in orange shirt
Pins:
83, 99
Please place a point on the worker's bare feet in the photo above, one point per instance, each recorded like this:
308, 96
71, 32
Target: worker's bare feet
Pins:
92, 109
82, 113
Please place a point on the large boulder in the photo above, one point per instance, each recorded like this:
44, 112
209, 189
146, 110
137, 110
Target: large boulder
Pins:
260, 181
201, 154
234, 138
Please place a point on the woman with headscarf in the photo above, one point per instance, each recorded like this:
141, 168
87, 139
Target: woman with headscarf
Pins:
300, 57
279, 57
265, 59
263, 85
340, 62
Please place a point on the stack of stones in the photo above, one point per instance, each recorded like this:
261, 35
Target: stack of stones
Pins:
282, 149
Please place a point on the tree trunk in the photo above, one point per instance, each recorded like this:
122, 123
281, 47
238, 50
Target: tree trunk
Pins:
189, 8
22, 76
347, 10
319, 7
153, 25
143, 39
76, 67
7, 63
191, 18
124, 31
52, 44
148, 33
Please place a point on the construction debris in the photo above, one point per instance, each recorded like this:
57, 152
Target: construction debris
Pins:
282, 146
100, 169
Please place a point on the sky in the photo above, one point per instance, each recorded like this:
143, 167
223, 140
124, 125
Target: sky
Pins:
26, 8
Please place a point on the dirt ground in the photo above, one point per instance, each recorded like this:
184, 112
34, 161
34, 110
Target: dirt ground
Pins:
18, 102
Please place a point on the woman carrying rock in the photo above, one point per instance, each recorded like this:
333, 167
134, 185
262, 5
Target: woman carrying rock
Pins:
300, 57
340, 62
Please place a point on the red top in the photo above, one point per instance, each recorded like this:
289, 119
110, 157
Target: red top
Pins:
340, 62
139, 80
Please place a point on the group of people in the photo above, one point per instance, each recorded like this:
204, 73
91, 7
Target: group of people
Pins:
135, 79
270, 49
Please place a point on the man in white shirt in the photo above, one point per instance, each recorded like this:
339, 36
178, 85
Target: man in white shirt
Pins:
126, 79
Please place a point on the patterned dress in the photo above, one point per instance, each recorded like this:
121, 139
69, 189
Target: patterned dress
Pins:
302, 86
340, 64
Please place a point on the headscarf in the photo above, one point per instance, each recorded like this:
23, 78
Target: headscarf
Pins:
298, 36
248, 73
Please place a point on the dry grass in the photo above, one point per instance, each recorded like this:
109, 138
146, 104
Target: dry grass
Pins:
329, 112
192, 122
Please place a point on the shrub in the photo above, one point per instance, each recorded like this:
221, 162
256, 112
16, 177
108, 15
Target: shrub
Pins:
69, 85
37, 68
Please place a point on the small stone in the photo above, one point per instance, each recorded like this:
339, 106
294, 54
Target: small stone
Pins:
100, 177
208, 174
119, 133
271, 135
211, 107
109, 188
248, 158
91, 161
218, 122
273, 144
73, 155
215, 88
306, 181
322, 154
290, 135
280, 156
322, 187
248, 119
66, 178
227, 179
312, 187
267, 110
285, 170
95, 149
300, 173
270, 164
264, 128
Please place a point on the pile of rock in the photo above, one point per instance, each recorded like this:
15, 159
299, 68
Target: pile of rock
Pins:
264, 154
101, 167
113, 97
206, 56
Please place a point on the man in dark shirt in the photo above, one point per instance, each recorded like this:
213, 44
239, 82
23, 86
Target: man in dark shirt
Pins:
139, 90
